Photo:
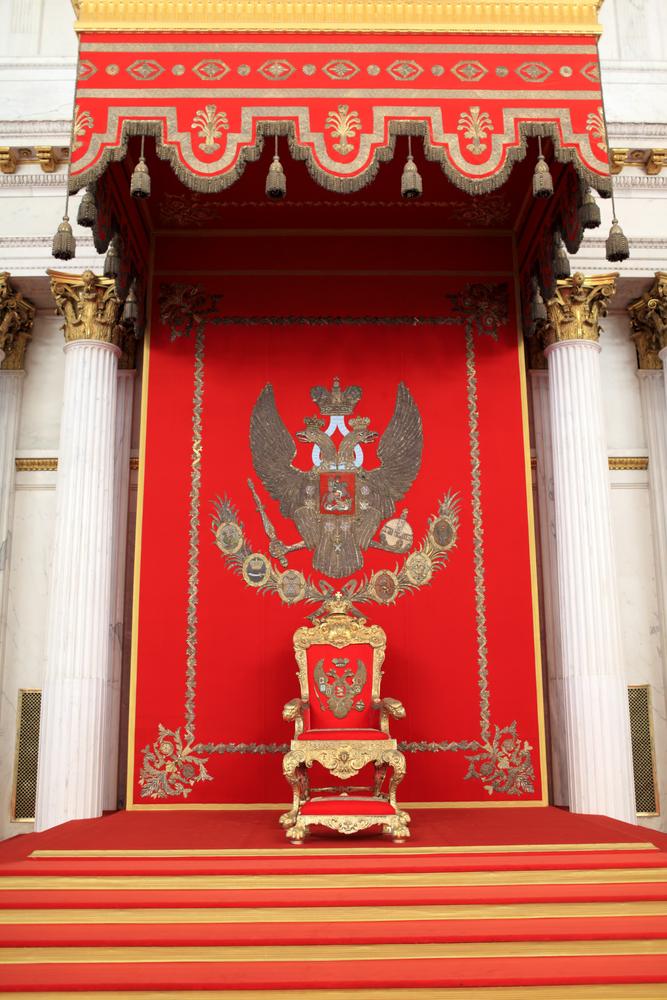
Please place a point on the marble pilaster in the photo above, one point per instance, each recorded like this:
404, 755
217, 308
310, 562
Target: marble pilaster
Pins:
539, 380
122, 442
16, 320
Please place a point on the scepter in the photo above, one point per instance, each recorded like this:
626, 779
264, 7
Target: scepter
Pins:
276, 548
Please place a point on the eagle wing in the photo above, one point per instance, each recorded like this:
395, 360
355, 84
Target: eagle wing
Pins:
273, 451
359, 678
400, 454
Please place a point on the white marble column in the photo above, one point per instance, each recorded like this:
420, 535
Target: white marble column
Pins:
16, 321
70, 780
122, 439
595, 699
539, 380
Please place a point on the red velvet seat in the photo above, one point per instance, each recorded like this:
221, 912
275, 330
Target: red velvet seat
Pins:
343, 734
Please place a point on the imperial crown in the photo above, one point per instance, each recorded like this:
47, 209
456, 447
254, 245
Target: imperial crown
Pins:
336, 403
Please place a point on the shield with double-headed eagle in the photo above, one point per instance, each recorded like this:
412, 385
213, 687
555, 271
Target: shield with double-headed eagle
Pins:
338, 505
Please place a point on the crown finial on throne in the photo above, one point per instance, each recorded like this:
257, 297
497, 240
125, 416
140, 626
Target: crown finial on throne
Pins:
337, 402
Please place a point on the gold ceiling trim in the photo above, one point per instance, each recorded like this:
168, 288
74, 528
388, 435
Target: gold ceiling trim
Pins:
496, 16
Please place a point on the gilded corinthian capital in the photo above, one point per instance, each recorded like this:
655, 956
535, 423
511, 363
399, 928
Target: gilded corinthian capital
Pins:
648, 317
575, 311
17, 316
89, 305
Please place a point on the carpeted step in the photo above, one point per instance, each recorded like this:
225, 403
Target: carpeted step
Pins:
281, 865
405, 930
107, 900
297, 974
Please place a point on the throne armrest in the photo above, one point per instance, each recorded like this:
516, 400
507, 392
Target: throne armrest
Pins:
294, 710
390, 706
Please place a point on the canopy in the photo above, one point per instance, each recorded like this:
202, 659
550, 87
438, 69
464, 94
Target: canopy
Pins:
211, 96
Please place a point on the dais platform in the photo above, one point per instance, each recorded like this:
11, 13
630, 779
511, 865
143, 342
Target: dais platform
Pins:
203, 904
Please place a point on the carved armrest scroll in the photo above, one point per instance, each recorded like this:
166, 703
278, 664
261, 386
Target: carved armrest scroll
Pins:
294, 712
391, 706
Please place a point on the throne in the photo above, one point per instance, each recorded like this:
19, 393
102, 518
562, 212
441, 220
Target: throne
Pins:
341, 723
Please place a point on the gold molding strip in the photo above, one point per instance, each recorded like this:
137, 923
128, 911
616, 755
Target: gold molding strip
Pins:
36, 464
259, 954
477, 16
652, 161
628, 463
48, 157
103, 883
334, 914
617, 463
51, 464
622, 463
354, 852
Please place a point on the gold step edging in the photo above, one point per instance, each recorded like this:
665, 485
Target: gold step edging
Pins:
333, 914
624, 991
260, 954
100, 883
354, 852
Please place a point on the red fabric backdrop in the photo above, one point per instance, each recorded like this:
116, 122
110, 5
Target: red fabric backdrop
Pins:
214, 661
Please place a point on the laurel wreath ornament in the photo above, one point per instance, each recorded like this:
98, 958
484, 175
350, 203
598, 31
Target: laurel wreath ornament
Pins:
383, 586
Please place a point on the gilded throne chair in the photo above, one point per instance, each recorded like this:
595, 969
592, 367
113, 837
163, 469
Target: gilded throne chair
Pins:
342, 724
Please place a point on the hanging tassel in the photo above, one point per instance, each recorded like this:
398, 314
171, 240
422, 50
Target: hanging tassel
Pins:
87, 214
411, 182
561, 260
538, 310
140, 182
617, 245
64, 244
112, 259
589, 211
131, 306
276, 182
543, 185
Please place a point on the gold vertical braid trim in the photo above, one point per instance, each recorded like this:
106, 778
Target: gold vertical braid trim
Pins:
515, 16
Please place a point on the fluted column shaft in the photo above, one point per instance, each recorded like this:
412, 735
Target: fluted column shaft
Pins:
11, 390
549, 565
122, 441
70, 778
595, 700
654, 409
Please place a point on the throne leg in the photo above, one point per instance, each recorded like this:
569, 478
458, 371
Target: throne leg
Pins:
295, 774
397, 827
381, 769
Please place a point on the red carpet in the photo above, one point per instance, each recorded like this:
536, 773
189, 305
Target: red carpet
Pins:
530, 903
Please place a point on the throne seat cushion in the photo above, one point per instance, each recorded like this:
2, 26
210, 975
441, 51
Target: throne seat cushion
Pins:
342, 735
347, 805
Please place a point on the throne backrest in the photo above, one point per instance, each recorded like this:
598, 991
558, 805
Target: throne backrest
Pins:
340, 686
340, 668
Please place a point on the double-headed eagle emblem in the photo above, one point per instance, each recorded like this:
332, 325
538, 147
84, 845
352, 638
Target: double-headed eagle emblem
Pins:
338, 505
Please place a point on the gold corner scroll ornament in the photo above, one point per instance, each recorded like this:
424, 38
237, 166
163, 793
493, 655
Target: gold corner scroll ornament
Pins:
89, 305
17, 316
648, 318
497, 16
575, 311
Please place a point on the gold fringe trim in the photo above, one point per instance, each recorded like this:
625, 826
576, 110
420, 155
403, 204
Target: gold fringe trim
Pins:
340, 185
